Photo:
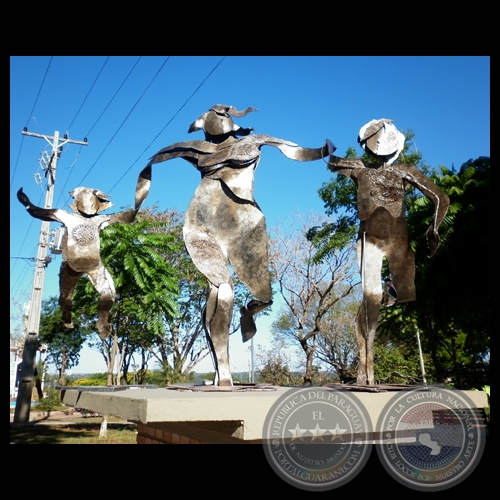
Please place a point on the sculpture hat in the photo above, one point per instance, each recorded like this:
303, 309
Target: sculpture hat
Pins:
218, 124
88, 201
381, 139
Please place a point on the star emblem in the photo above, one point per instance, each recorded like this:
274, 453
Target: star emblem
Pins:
297, 432
337, 433
317, 433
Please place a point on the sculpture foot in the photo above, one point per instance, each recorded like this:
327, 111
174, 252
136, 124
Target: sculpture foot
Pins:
407, 299
254, 307
248, 328
247, 323
69, 326
104, 330
364, 379
307, 382
390, 296
223, 378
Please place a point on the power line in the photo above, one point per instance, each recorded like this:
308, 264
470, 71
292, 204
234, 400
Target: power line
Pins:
187, 100
39, 90
33, 259
100, 116
114, 95
98, 119
88, 93
31, 114
168, 123
125, 119
107, 106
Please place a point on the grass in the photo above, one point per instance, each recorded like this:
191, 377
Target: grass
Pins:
74, 432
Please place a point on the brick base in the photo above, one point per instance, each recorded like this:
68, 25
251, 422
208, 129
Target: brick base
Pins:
226, 432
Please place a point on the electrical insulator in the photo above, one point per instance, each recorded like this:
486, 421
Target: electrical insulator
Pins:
57, 240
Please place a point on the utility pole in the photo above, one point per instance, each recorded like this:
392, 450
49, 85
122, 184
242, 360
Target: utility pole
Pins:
25, 388
252, 378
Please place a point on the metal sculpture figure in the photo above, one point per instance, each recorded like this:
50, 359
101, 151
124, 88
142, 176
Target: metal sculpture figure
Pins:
81, 248
383, 229
224, 223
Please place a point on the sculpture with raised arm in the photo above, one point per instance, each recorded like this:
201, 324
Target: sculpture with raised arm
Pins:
224, 224
81, 248
383, 229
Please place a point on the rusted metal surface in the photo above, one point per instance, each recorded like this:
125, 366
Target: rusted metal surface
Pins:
224, 224
383, 230
373, 388
216, 388
81, 248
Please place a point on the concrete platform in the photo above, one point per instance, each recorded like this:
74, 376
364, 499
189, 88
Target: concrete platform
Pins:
205, 415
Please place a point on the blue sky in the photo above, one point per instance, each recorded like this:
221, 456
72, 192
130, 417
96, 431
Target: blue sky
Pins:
129, 107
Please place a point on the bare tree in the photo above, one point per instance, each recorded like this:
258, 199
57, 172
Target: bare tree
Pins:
275, 364
309, 289
337, 345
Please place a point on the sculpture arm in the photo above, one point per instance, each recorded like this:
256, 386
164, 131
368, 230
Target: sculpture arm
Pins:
247, 150
298, 153
45, 214
123, 217
190, 151
345, 166
143, 186
440, 199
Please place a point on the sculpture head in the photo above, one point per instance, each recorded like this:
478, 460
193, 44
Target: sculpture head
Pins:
218, 124
381, 139
89, 201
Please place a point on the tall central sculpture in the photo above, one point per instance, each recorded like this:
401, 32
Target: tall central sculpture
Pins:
224, 224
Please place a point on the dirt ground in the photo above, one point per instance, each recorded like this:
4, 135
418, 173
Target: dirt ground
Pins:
66, 416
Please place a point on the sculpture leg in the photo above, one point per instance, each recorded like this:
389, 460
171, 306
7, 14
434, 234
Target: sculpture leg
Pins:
68, 279
250, 260
103, 283
366, 325
222, 227
217, 321
402, 266
370, 257
209, 258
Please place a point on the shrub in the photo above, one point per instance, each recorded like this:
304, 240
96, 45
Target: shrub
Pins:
50, 402
88, 381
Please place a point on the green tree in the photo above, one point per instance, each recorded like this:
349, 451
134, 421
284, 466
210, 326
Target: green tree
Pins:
181, 344
63, 345
158, 315
453, 308
145, 283
397, 363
